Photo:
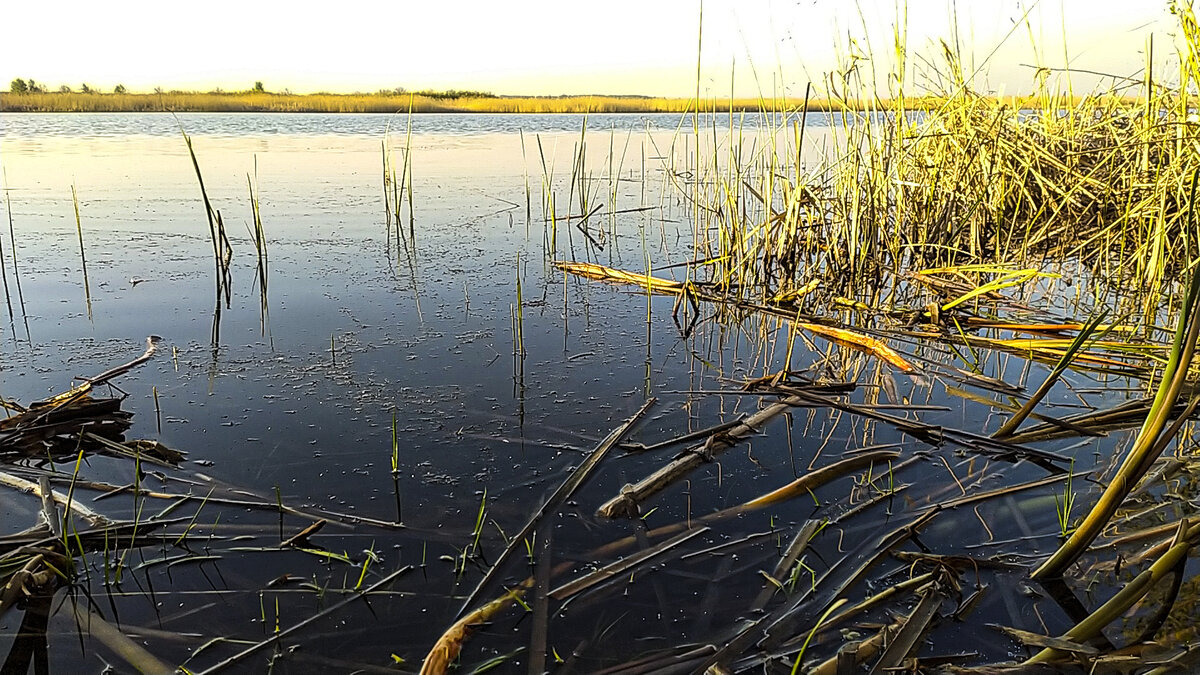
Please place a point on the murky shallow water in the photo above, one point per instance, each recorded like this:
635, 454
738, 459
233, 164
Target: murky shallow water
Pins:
300, 407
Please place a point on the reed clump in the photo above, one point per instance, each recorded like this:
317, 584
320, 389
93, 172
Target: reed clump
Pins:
968, 196
958, 177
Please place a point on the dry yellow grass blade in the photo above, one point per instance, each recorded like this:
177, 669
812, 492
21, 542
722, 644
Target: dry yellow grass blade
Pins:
69, 395
447, 648
842, 336
1007, 280
863, 342
979, 322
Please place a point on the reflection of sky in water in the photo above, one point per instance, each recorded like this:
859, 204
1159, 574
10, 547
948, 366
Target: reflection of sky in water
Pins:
351, 124
359, 330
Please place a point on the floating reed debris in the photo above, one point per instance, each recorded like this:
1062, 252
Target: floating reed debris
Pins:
73, 421
561, 495
692, 291
627, 504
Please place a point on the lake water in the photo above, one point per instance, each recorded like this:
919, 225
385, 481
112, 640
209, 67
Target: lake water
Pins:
370, 338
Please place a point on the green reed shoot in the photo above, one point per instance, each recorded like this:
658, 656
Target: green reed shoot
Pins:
139, 504
479, 520
547, 181
87, 290
12, 240
395, 447
259, 238
222, 250
1063, 508
804, 647
366, 564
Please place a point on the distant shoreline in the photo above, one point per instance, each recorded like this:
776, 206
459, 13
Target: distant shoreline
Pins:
267, 102
264, 102
383, 103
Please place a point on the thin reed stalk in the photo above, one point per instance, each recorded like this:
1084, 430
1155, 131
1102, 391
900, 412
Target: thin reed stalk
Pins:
259, 238
87, 289
222, 250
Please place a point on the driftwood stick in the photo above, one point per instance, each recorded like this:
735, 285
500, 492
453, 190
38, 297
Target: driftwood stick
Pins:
626, 503
93, 518
151, 347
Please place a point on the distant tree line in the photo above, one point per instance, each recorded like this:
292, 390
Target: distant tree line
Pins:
455, 93
31, 86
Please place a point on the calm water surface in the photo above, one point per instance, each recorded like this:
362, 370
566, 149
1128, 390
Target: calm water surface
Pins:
300, 404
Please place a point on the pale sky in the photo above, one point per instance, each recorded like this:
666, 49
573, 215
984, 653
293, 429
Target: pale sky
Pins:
543, 47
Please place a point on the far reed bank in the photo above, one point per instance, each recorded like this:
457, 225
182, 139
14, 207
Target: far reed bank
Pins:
435, 102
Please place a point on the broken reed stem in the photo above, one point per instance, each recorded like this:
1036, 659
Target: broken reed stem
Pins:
387, 209
412, 235
4, 273
519, 326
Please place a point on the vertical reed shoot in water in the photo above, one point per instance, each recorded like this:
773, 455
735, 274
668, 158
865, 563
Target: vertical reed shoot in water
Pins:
12, 240
4, 265
525, 172
387, 210
519, 335
87, 290
259, 237
408, 174
222, 250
